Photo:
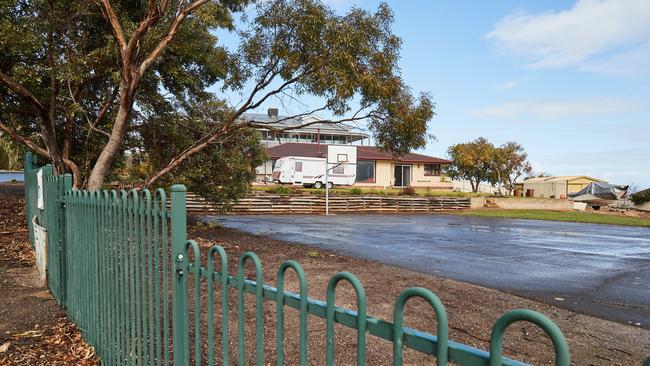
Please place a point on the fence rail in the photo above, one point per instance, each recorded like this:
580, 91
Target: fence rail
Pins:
267, 203
126, 285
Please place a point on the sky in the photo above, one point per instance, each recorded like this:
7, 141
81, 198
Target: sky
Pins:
569, 80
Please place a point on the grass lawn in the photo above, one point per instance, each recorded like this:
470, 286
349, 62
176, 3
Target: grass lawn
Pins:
594, 218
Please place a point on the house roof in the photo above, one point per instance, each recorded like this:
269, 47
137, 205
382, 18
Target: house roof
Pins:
562, 178
363, 153
309, 123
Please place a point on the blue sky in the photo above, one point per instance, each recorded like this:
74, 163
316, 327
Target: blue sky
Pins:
568, 80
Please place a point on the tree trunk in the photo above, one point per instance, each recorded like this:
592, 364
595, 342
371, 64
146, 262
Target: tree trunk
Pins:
114, 144
52, 149
499, 182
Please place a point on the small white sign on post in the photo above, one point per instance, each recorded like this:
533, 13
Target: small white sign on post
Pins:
39, 181
40, 243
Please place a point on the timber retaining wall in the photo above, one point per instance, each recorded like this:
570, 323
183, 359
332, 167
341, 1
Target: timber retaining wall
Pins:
312, 204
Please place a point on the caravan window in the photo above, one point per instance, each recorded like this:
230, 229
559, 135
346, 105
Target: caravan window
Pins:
298, 166
278, 165
339, 169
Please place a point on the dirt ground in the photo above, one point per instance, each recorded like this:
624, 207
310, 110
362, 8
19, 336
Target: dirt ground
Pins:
33, 328
472, 310
37, 333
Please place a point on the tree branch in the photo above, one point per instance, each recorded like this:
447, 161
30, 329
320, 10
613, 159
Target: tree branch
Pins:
115, 23
23, 93
164, 42
23, 140
41, 151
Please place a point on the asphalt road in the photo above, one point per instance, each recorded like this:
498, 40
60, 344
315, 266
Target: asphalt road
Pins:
602, 270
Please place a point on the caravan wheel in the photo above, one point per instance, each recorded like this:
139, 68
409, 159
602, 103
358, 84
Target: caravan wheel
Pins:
318, 185
330, 185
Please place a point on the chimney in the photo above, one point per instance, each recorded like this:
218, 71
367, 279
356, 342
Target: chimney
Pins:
272, 112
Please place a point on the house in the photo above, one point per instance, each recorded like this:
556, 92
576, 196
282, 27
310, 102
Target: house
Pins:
375, 168
556, 187
276, 129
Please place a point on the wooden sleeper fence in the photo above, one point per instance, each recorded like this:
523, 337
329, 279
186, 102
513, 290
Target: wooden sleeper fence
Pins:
311, 204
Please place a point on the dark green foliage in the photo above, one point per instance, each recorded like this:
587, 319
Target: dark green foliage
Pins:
356, 191
280, 189
88, 82
10, 158
339, 59
222, 173
473, 161
641, 197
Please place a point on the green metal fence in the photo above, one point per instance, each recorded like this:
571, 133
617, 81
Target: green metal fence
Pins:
125, 283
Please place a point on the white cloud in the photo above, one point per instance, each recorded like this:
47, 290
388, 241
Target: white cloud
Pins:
553, 109
594, 35
511, 84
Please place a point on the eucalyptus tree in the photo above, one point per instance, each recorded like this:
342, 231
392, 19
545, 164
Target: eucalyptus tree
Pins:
510, 164
472, 161
82, 81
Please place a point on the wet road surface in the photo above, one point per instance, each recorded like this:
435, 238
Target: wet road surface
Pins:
602, 270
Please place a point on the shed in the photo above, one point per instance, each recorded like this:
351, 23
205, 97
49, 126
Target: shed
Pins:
558, 186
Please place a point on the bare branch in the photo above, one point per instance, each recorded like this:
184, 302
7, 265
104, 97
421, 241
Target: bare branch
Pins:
23, 140
277, 90
104, 109
173, 29
115, 23
23, 93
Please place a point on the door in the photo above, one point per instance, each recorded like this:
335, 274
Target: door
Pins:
297, 171
402, 175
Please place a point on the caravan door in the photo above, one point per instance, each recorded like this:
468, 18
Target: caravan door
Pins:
297, 169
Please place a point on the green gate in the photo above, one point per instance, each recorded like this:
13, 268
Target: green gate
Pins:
121, 265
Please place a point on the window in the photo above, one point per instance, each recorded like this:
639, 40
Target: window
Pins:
339, 169
341, 157
365, 171
298, 166
432, 169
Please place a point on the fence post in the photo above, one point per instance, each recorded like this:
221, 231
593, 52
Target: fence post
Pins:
44, 214
180, 330
62, 187
28, 165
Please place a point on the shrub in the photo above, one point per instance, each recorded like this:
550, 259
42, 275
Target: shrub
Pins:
641, 197
356, 191
409, 191
281, 190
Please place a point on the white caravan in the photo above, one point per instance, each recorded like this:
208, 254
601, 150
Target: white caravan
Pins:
310, 172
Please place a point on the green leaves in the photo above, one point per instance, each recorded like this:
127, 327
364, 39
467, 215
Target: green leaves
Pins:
480, 161
341, 59
221, 173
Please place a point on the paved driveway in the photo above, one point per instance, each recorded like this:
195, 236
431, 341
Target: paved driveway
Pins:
601, 270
